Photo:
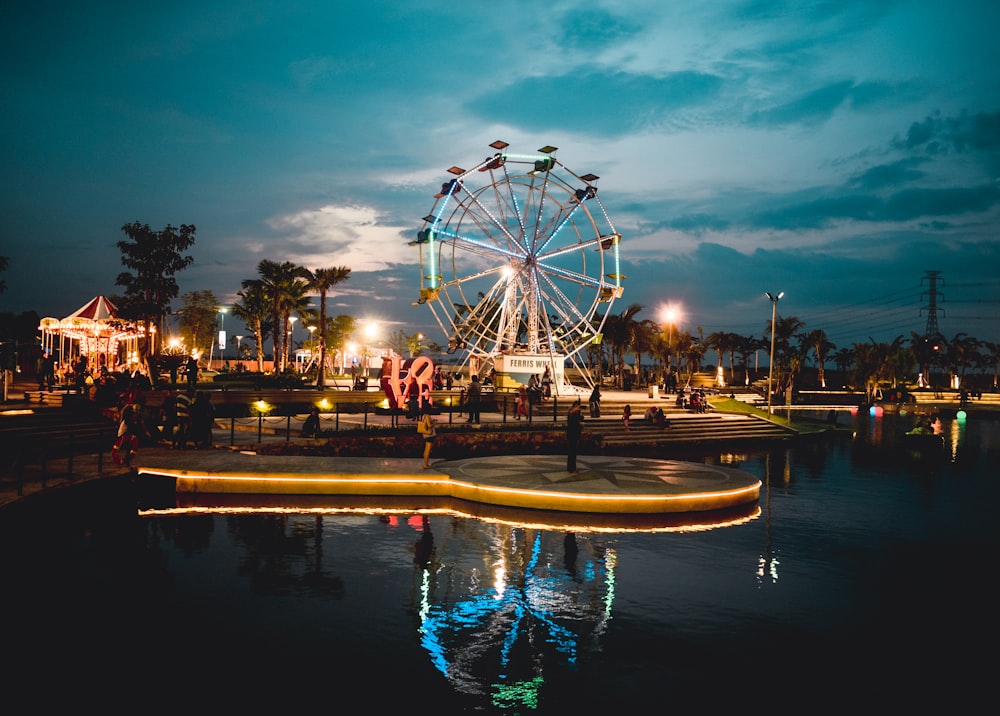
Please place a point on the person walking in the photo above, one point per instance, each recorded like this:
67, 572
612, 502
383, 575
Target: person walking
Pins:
127, 442
521, 403
425, 426
574, 431
474, 397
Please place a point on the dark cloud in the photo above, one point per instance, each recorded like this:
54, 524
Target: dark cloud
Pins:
934, 134
894, 174
595, 102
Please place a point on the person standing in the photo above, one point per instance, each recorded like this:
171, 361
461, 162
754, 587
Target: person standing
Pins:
595, 401
426, 429
202, 420
192, 373
627, 418
182, 408
574, 431
474, 397
168, 415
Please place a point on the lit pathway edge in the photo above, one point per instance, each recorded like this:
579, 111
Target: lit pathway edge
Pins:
610, 485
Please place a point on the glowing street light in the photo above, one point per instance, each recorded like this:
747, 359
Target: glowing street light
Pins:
239, 345
371, 330
671, 314
770, 364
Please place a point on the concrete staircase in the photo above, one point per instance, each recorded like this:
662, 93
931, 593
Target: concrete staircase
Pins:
687, 428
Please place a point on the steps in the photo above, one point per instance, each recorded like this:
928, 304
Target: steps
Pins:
687, 428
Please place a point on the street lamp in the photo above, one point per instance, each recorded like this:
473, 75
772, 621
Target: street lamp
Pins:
370, 332
291, 336
770, 365
239, 344
671, 314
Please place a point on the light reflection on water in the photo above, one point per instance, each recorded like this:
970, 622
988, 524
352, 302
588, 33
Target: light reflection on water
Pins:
863, 554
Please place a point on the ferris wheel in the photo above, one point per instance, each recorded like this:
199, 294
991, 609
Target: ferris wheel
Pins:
519, 259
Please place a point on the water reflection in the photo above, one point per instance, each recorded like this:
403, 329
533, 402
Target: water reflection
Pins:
462, 609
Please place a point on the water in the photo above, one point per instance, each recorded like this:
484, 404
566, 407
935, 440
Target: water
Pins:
865, 581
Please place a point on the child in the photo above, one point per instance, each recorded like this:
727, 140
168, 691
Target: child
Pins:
627, 417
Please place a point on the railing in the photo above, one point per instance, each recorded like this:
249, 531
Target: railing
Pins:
356, 414
23, 447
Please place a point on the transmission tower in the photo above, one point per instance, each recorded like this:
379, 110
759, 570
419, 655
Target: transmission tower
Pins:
932, 278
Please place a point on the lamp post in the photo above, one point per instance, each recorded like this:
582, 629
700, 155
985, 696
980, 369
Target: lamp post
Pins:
370, 332
239, 344
291, 337
770, 365
671, 315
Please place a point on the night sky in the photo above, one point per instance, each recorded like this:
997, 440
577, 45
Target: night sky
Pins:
836, 151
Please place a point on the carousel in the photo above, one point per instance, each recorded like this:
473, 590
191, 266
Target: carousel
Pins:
95, 332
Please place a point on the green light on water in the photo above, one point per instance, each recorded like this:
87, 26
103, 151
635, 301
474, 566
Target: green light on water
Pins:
522, 693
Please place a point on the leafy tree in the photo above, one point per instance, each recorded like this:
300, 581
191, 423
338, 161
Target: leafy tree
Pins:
199, 310
339, 331
154, 257
321, 280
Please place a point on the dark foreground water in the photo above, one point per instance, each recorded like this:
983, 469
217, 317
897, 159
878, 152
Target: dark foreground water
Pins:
866, 581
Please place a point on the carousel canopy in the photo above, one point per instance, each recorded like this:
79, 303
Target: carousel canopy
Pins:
98, 308
94, 327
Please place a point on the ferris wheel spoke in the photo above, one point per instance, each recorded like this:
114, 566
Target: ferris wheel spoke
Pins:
483, 248
581, 279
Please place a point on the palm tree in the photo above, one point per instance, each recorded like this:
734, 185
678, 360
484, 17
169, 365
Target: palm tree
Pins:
322, 280
962, 353
821, 347
252, 309
745, 345
643, 337
619, 331
784, 330
278, 279
993, 355
843, 359
296, 301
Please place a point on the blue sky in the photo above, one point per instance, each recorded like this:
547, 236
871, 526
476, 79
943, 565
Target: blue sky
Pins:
836, 151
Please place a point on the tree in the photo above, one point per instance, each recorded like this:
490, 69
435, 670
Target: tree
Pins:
962, 353
198, 315
253, 310
279, 281
155, 257
993, 356
339, 331
321, 281
821, 347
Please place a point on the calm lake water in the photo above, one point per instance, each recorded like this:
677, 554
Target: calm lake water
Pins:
865, 580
